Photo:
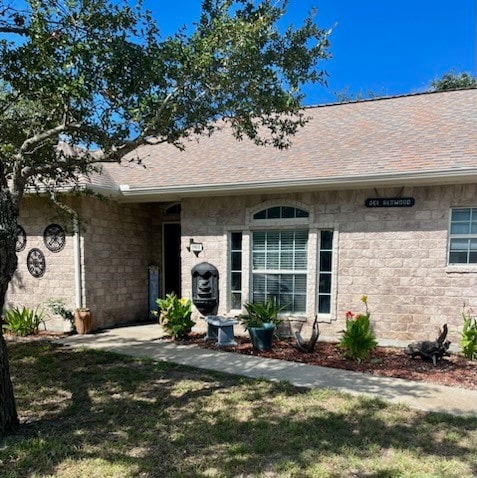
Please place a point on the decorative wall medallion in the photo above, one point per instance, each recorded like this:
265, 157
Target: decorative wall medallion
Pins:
36, 262
21, 239
54, 237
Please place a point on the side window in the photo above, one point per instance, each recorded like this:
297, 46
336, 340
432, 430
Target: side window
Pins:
325, 263
235, 279
463, 236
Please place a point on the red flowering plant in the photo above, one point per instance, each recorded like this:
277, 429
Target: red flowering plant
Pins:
357, 339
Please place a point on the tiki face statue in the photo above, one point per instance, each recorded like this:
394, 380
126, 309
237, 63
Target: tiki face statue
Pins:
205, 288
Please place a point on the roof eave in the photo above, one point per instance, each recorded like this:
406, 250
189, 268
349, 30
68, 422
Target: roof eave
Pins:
127, 193
106, 191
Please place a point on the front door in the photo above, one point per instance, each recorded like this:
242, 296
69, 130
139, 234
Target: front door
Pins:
172, 258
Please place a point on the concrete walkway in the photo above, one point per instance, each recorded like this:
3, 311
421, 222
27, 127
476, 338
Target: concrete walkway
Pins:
142, 341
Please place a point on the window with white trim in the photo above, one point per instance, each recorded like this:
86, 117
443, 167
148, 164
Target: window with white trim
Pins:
463, 236
325, 269
279, 268
235, 270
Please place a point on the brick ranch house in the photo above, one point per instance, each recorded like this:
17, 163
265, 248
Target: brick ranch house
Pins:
376, 197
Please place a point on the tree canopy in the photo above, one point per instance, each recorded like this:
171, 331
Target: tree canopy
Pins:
97, 75
454, 81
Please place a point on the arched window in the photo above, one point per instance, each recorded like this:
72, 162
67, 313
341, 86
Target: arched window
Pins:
279, 257
281, 212
174, 210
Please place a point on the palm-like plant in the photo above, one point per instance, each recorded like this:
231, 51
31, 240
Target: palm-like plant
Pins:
261, 313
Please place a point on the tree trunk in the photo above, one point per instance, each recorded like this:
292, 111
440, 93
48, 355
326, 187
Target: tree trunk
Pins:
8, 411
8, 263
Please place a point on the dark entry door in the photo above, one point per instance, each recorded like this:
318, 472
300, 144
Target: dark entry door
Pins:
172, 258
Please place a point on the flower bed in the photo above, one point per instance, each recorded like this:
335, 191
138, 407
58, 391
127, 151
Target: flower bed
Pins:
384, 361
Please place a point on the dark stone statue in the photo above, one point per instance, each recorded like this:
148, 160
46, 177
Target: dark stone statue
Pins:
308, 346
429, 350
205, 288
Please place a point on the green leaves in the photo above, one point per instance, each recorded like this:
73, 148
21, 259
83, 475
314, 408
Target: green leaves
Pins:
454, 81
22, 321
261, 313
58, 306
96, 73
175, 316
253, 73
358, 339
468, 342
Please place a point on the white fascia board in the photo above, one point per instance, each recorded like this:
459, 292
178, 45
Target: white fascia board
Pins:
132, 194
114, 193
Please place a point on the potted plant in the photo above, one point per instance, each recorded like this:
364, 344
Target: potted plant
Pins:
83, 320
261, 320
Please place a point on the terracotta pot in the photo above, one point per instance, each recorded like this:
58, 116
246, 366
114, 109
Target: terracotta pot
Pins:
83, 321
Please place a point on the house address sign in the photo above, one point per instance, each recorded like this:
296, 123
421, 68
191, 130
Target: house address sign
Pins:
389, 202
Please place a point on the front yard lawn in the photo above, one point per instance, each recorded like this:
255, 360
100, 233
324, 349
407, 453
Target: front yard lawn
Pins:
96, 414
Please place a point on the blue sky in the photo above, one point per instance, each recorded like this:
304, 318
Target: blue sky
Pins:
389, 47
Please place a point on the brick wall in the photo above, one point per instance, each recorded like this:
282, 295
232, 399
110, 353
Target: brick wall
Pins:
118, 244
397, 256
118, 249
58, 279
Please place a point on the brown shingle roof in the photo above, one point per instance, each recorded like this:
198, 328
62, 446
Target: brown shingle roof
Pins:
431, 133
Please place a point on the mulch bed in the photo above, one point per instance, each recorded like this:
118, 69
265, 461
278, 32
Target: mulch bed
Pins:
453, 371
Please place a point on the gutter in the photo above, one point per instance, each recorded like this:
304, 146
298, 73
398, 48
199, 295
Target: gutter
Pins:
129, 193
77, 254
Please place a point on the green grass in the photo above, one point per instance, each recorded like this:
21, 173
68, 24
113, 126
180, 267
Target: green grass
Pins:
95, 414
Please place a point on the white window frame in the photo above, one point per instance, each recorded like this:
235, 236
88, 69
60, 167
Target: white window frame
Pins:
282, 272
282, 224
464, 236
331, 273
231, 270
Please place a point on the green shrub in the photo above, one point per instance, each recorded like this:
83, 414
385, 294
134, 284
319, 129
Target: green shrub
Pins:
175, 315
260, 313
23, 322
358, 339
57, 306
468, 341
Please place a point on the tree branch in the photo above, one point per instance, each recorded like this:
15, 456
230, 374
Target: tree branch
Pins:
11, 102
13, 29
40, 137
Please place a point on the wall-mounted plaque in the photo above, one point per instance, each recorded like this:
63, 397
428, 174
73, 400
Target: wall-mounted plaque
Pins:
389, 202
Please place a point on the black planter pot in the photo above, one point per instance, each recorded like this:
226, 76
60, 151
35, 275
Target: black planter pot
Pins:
262, 337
